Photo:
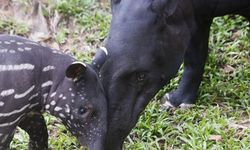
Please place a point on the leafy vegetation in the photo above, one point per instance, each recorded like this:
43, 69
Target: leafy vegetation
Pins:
13, 27
221, 118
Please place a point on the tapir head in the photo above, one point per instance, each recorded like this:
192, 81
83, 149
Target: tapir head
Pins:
145, 48
85, 113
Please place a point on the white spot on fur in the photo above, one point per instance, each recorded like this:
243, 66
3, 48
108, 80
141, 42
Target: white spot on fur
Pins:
61, 95
6, 42
33, 105
33, 96
48, 68
13, 122
53, 94
52, 103
45, 97
16, 67
3, 50
27, 48
15, 111
7, 92
17, 96
20, 49
58, 108
1, 103
47, 106
19, 43
12, 51
61, 115
48, 83
56, 52
67, 109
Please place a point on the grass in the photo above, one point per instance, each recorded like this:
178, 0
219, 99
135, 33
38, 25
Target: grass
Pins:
221, 118
223, 102
11, 26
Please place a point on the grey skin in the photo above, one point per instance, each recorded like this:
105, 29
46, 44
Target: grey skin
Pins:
36, 79
147, 42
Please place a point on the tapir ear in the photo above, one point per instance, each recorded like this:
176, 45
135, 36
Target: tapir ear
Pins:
99, 58
164, 6
75, 70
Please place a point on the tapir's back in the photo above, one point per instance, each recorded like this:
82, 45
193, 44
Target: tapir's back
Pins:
22, 59
18, 59
25, 66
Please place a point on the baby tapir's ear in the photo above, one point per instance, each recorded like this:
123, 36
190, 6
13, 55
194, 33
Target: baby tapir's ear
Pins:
75, 70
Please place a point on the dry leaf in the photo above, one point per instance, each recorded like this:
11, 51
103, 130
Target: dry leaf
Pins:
235, 35
228, 69
4, 4
243, 125
215, 138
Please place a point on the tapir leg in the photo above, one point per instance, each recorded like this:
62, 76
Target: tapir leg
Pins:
34, 124
6, 135
194, 62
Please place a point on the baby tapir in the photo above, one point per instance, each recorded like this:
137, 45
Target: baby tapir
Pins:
35, 79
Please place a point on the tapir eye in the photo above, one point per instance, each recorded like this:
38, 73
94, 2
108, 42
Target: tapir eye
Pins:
85, 111
82, 110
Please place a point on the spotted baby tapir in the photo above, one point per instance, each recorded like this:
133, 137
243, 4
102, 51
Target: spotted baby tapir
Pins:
36, 79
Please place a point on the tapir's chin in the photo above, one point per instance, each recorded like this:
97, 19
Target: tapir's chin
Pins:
95, 144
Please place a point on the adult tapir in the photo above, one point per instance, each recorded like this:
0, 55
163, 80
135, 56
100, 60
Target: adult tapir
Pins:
147, 42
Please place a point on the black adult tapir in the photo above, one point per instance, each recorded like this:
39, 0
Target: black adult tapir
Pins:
147, 42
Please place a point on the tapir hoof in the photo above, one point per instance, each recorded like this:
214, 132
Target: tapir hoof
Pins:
166, 104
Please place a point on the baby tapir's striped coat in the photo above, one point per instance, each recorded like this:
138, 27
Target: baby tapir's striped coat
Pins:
35, 79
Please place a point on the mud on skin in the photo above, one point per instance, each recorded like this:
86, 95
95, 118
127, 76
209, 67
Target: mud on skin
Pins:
35, 79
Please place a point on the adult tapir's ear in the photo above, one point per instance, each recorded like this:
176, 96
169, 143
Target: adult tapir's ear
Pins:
100, 58
164, 6
75, 70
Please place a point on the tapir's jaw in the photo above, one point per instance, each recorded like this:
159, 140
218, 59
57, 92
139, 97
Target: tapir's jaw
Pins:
114, 140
